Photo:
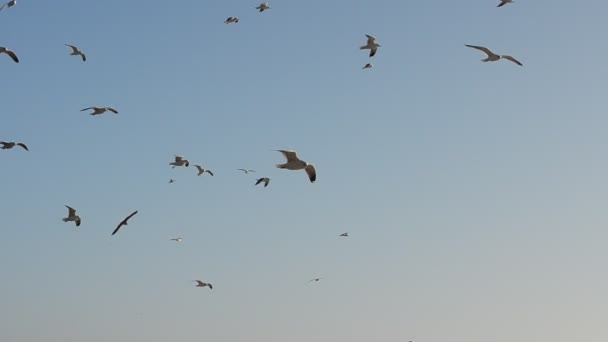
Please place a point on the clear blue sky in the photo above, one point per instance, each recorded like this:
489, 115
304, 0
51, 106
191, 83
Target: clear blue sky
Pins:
474, 193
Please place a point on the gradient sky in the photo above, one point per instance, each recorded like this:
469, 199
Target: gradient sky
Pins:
474, 193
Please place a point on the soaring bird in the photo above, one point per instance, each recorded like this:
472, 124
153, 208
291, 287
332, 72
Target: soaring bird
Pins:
76, 52
171, 181
504, 2
246, 170
9, 4
201, 284
231, 20
177, 240
492, 57
266, 180
124, 222
263, 6
6, 145
201, 170
368, 66
344, 234
371, 45
315, 279
72, 216
100, 110
293, 163
10, 53
180, 161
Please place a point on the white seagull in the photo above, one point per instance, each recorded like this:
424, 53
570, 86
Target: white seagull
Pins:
10, 53
231, 20
9, 4
6, 145
72, 216
263, 6
201, 170
100, 110
180, 161
266, 180
293, 163
76, 52
202, 284
246, 170
504, 2
492, 57
368, 66
371, 45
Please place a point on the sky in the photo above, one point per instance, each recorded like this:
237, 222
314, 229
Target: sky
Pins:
473, 193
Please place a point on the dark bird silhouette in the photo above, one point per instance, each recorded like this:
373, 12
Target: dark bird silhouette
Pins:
124, 222
266, 180
202, 284
7, 145
345, 234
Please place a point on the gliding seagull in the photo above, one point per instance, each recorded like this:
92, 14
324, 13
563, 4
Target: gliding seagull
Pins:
266, 180
201, 170
8, 145
371, 45
263, 6
72, 216
293, 163
180, 161
246, 170
201, 284
231, 20
124, 222
492, 57
76, 52
100, 110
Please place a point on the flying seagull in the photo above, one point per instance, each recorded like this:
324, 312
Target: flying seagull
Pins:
371, 45
171, 181
8, 145
76, 52
231, 20
492, 57
345, 234
266, 180
180, 161
316, 279
368, 66
293, 163
124, 222
9, 4
504, 2
72, 216
100, 110
177, 240
10, 53
201, 284
246, 170
263, 6
201, 170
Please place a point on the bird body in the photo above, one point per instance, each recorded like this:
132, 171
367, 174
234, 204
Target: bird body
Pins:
294, 163
263, 6
180, 161
10, 53
371, 45
492, 57
124, 222
72, 217
202, 284
76, 52
231, 20
100, 110
201, 170
266, 180
7, 145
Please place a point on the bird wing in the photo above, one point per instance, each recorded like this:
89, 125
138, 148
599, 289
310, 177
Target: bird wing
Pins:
502, 3
481, 48
370, 39
199, 283
78, 222
82, 110
209, 172
372, 52
289, 155
178, 158
3, 143
1, 8
12, 55
512, 59
311, 172
266, 181
71, 211
23, 145
74, 49
118, 228
242, 170
210, 286
84, 57
259, 181
112, 110
128, 217
199, 168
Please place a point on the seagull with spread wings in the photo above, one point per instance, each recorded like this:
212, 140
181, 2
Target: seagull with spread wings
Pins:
202, 284
100, 110
7, 145
492, 57
76, 52
294, 163
201, 170
246, 170
263, 6
9, 4
124, 222
371, 45
265, 180
179, 161
10, 53
344, 234
72, 216
231, 20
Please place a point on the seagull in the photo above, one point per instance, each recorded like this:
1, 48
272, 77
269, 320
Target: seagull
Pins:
246, 170
345, 234
368, 66
492, 57
10, 53
293, 163
180, 161
9, 4
266, 180
76, 52
201, 284
263, 6
316, 279
100, 110
371, 45
72, 216
201, 170
124, 222
504, 2
231, 20
171, 181
8, 145
177, 240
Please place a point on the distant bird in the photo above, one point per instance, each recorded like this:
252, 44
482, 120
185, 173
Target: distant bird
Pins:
368, 66
293, 163
10, 53
263, 6
371, 45
266, 180
345, 234
76, 52
246, 170
9, 4
124, 222
201, 170
100, 110
171, 181
180, 161
8, 145
231, 20
315, 279
504, 2
492, 57
177, 240
201, 284
72, 216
